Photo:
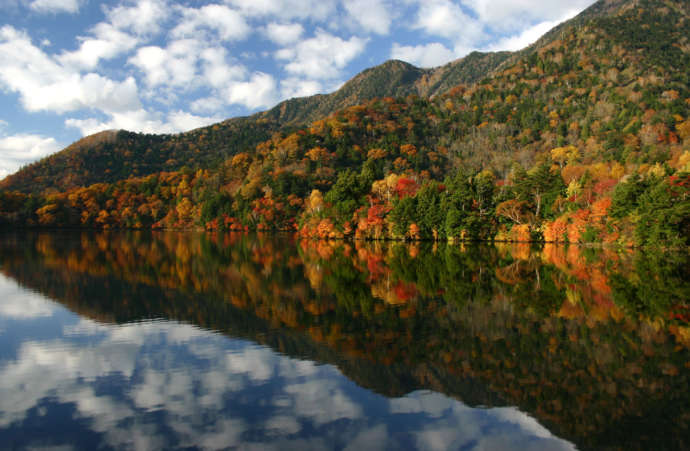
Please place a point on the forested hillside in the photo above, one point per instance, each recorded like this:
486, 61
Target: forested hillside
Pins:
585, 137
110, 156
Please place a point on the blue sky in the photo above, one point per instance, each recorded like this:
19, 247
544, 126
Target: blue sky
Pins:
69, 68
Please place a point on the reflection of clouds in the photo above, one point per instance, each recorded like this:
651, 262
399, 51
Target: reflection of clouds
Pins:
458, 426
175, 385
323, 401
84, 327
21, 304
256, 363
431, 404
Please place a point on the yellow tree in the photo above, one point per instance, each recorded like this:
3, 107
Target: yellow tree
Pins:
315, 201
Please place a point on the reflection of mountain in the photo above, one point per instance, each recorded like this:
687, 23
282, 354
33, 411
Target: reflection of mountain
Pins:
488, 327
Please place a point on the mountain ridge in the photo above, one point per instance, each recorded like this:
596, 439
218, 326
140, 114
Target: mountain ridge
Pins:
368, 84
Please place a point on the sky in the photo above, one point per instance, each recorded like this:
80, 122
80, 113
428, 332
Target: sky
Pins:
70, 68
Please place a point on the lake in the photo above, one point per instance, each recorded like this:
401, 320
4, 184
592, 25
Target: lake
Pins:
139, 340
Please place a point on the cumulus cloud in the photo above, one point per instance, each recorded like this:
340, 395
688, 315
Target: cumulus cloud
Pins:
529, 36
55, 6
446, 19
45, 85
428, 55
258, 91
298, 87
322, 56
515, 14
283, 34
492, 24
371, 15
207, 104
18, 150
173, 66
186, 65
143, 17
217, 71
106, 42
222, 22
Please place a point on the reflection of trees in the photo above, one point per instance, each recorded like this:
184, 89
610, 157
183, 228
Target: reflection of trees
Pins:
594, 343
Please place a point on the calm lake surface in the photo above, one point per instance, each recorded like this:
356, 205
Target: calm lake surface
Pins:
166, 340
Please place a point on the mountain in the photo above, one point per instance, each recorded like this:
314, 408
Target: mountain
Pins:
583, 136
124, 154
110, 156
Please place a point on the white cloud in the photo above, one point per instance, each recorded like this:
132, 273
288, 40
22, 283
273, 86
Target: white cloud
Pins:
283, 34
297, 87
107, 42
371, 15
185, 65
528, 36
428, 55
216, 71
225, 23
446, 19
45, 85
18, 150
144, 17
518, 14
174, 66
321, 57
259, 91
207, 104
55, 6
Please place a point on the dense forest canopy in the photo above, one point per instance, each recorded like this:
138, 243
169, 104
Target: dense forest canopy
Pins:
583, 137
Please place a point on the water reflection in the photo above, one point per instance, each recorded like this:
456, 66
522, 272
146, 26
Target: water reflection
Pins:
222, 340
162, 384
